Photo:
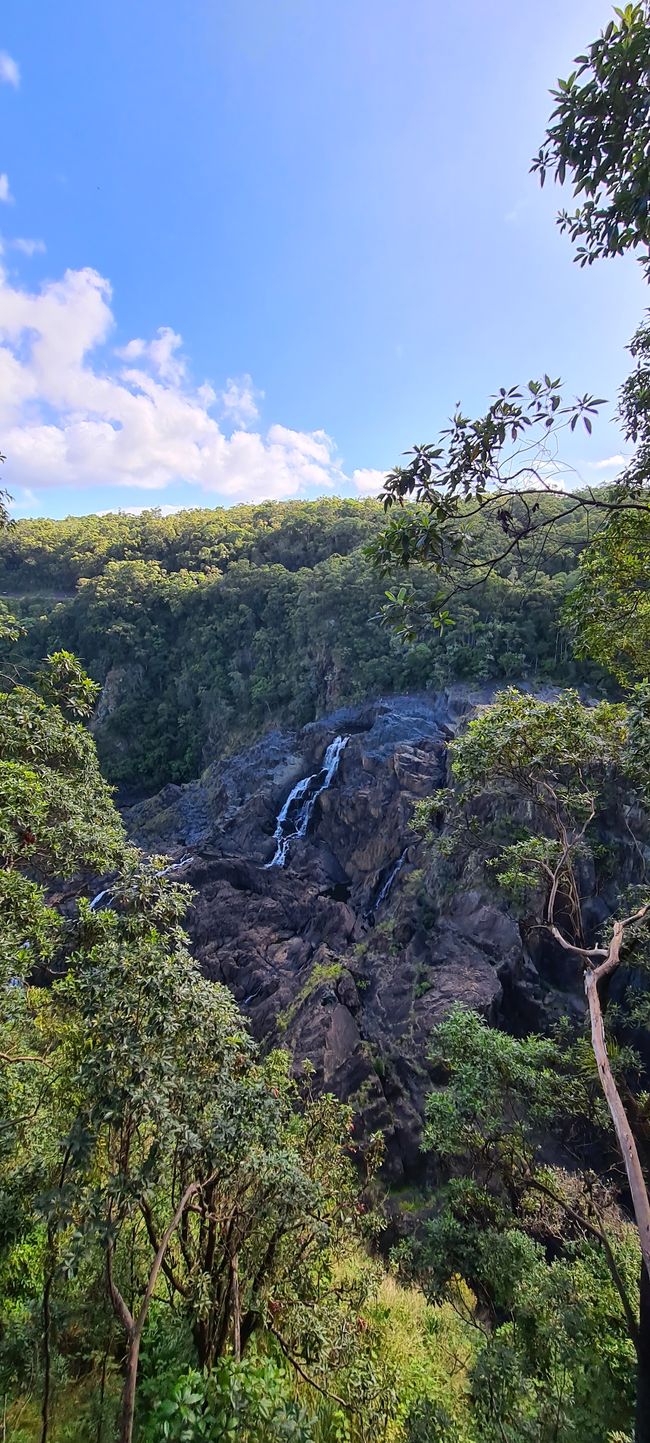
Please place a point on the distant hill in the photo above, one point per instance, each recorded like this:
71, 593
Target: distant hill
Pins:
207, 626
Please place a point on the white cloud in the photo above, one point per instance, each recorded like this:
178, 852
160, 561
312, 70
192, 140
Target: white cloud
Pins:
5, 192
9, 71
27, 247
71, 417
608, 463
239, 401
160, 354
368, 482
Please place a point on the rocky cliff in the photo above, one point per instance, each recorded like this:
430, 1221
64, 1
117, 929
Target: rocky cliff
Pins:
354, 948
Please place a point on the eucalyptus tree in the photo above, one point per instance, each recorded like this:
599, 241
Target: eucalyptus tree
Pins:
533, 782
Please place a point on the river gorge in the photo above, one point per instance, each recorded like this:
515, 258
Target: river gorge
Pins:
329, 917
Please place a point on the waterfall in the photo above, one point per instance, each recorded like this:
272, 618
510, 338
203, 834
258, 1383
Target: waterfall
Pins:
395, 869
174, 866
160, 872
296, 813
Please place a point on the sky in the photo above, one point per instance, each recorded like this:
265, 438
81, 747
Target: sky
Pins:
255, 249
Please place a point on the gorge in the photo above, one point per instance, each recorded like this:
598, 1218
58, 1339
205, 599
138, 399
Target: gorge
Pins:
300, 982
321, 908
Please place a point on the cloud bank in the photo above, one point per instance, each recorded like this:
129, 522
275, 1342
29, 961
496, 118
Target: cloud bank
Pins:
75, 413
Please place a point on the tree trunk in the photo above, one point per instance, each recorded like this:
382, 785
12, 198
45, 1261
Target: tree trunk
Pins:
134, 1327
47, 1357
624, 1134
642, 1420
236, 1309
128, 1393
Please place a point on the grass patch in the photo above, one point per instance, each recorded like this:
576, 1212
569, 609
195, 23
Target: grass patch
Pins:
322, 972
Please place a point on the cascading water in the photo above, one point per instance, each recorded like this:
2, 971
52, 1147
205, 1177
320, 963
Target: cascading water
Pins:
296, 813
160, 871
382, 895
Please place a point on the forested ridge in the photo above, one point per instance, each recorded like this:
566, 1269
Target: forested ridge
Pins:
58, 554
211, 624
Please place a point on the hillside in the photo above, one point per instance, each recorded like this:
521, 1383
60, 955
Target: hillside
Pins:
207, 627
351, 941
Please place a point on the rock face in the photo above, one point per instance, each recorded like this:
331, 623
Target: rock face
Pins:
350, 953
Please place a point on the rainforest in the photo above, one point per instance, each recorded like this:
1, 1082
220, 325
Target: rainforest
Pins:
206, 627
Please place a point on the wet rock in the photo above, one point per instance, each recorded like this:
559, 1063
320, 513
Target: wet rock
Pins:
319, 955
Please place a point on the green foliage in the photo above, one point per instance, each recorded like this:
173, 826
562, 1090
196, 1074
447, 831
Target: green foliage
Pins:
465, 524
491, 1072
148, 1155
600, 135
322, 972
159, 1177
64, 682
540, 1247
249, 1402
505, 1092
562, 1366
55, 555
57, 814
513, 1243
551, 768
198, 657
520, 739
481, 469
609, 609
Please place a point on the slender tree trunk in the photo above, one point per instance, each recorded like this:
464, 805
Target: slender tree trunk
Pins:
236, 1309
127, 1411
47, 1358
642, 1419
102, 1390
624, 1134
47, 1319
636, 1180
134, 1327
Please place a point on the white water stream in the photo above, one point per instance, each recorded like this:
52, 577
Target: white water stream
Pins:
296, 813
162, 872
389, 881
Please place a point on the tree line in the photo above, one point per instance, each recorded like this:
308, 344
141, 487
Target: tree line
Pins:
288, 625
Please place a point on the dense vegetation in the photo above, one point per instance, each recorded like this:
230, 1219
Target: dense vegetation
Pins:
187, 1236
208, 625
162, 1191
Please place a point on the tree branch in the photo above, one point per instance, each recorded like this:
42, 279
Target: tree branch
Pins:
191, 1189
166, 1265
600, 1234
119, 1306
305, 1376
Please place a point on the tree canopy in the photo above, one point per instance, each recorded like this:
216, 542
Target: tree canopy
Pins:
499, 463
196, 655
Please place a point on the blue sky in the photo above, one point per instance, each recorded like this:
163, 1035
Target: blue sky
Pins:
258, 248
